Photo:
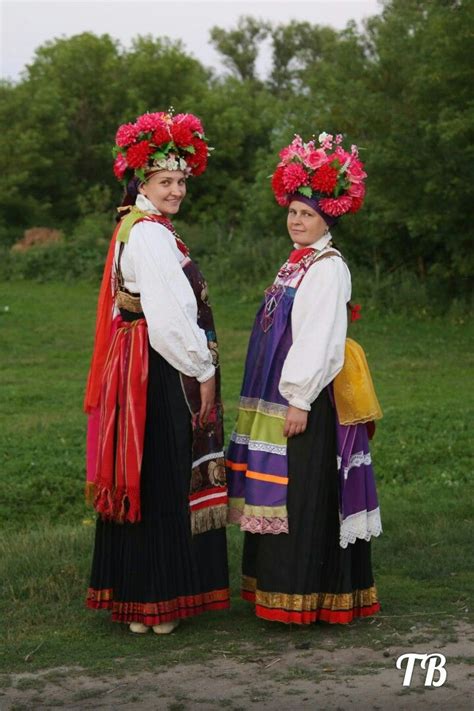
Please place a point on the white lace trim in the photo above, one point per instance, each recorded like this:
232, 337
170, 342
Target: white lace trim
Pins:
256, 445
356, 460
240, 438
363, 524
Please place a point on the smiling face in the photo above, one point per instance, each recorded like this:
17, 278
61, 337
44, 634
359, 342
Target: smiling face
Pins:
305, 225
166, 190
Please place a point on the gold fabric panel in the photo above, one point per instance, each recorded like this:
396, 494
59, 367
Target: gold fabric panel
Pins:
313, 601
354, 392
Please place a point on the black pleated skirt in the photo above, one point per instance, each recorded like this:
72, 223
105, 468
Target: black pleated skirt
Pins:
155, 571
305, 575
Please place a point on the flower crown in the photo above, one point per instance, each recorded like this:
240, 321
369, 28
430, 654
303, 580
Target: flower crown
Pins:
160, 141
327, 173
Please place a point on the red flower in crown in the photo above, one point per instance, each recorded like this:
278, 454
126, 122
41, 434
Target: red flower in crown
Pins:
294, 176
336, 206
138, 154
160, 141
120, 166
161, 134
279, 186
182, 135
356, 204
126, 134
325, 179
190, 121
150, 122
198, 159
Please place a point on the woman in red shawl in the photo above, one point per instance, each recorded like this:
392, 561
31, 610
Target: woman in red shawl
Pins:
155, 437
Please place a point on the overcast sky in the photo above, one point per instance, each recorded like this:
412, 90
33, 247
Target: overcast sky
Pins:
26, 24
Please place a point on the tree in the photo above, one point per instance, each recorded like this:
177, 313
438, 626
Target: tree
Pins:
240, 47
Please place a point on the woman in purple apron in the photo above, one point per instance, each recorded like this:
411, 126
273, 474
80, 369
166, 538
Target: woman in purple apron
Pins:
300, 478
156, 471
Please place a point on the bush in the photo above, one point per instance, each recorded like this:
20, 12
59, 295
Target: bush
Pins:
80, 256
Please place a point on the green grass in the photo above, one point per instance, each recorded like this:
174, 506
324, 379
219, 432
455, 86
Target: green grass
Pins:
423, 562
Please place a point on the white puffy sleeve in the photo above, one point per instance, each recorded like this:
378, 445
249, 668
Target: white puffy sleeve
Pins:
319, 327
168, 301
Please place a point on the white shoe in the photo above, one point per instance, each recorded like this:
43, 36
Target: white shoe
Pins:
166, 627
138, 628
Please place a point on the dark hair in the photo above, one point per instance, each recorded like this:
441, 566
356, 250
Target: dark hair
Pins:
129, 196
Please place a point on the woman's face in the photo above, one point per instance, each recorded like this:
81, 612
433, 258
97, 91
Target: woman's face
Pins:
166, 190
305, 225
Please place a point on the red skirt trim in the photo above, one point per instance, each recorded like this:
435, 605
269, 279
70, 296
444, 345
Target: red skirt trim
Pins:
306, 617
155, 613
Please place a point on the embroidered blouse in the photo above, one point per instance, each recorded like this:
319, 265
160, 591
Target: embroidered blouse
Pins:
151, 266
319, 326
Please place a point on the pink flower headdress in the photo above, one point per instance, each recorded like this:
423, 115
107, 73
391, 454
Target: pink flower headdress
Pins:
321, 172
160, 141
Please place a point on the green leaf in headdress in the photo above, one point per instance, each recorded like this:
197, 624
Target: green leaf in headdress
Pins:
306, 191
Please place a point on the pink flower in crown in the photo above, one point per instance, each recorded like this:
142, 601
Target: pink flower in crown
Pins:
126, 134
150, 122
354, 150
357, 190
294, 176
342, 154
315, 158
326, 139
120, 166
356, 172
338, 138
336, 206
295, 149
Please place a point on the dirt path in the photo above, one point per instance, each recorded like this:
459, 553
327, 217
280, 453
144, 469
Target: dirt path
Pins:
304, 678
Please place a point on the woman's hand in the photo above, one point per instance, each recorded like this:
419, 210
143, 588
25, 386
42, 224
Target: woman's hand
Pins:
208, 395
295, 422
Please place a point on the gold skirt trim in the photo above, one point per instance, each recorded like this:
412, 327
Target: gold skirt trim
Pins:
313, 601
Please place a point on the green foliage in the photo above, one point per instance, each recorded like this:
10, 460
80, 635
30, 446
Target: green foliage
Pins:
240, 47
400, 88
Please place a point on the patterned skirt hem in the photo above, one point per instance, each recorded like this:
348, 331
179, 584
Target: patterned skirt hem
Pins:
304, 609
155, 613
